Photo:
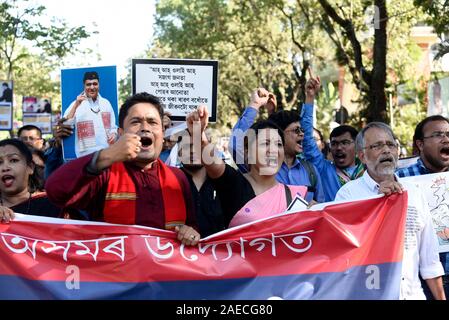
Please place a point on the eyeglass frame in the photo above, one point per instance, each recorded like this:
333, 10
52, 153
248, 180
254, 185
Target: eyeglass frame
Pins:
438, 134
32, 139
297, 130
380, 145
344, 143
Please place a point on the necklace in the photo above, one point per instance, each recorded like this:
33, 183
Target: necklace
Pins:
91, 102
94, 110
28, 204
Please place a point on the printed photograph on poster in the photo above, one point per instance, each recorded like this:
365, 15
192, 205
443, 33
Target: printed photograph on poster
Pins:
6, 99
90, 106
181, 84
436, 191
40, 120
6, 91
36, 105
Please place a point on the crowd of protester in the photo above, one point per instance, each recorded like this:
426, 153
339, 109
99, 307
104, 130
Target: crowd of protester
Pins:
175, 183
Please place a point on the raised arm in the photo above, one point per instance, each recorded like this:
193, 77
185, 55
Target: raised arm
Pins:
75, 105
260, 98
126, 148
77, 183
196, 124
311, 150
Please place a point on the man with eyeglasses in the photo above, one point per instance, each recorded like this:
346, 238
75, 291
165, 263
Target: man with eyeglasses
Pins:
94, 118
295, 170
345, 166
431, 139
31, 136
377, 149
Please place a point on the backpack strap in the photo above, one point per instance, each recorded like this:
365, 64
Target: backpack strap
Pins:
312, 175
288, 195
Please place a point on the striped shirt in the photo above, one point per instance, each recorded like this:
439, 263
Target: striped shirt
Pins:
416, 169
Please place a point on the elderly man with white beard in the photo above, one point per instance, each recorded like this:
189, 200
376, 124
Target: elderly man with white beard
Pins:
377, 149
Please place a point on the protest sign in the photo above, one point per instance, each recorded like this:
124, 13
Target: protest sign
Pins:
350, 250
181, 85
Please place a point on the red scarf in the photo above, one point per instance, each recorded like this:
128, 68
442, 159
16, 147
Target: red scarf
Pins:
120, 201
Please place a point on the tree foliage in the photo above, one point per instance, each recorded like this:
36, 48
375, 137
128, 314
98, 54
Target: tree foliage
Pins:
438, 17
19, 22
257, 44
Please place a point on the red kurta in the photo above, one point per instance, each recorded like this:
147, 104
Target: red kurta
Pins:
72, 186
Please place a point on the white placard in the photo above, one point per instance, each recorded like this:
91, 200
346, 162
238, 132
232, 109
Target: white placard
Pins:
436, 191
5, 115
40, 120
181, 85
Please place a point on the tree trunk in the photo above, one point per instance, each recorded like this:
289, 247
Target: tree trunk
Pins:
377, 108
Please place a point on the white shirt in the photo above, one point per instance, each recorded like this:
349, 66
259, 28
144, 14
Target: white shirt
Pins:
420, 245
94, 120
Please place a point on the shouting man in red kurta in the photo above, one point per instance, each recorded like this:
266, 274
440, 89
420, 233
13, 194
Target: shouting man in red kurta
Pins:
126, 183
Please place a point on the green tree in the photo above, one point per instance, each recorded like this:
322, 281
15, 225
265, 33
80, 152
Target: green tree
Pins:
438, 17
256, 43
271, 43
326, 102
19, 25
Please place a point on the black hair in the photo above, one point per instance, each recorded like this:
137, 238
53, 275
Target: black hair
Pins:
419, 130
142, 97
29, 127
338, 131
91, 75
267, 124
284, 118
39, 171
33, 181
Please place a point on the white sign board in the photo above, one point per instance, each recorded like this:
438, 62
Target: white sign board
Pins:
40, 120
436, 191
5, 115
181, 85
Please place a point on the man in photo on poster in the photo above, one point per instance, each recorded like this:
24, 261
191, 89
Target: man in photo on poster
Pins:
92, 118
6, 93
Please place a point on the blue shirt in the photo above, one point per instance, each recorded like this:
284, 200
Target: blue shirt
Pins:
418, 169
164, 155
295, 175
53, 160
415, 169
326, 168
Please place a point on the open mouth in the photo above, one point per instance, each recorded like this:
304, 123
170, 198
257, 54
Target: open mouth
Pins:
445, 152
272, 161
386, 160
8, 180
340, 156
146, 142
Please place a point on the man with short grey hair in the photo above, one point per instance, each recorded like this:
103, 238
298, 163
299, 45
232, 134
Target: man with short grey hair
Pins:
377, 149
